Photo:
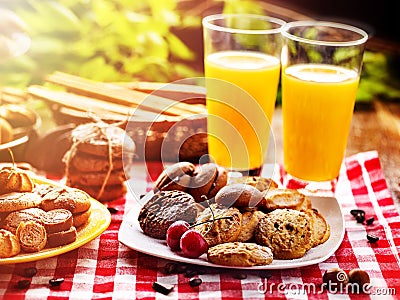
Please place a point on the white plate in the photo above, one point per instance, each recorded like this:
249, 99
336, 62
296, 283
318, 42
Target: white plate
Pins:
131, 235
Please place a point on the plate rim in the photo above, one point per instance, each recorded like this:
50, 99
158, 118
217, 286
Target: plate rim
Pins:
80, 241
286, 264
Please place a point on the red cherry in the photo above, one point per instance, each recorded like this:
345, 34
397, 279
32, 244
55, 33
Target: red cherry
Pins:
174, 233
193, 244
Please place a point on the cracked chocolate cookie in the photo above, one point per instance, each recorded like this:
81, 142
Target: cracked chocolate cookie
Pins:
163, 209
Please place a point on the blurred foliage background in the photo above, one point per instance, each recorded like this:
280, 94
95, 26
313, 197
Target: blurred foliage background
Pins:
127, 40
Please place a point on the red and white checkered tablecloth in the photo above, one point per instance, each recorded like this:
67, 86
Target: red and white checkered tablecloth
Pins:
106, 269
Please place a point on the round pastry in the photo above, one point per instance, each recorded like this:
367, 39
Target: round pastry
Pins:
9, 245
202, 181
222, 230
72, 199
15, 180
207, 180
32, 236
12, 221
163, 209
287, 232
238, 254
6, 131
175, 177
260, 183
96, 139
219, 182
239, 195
81, 218
57, 220
17, 201
61, 238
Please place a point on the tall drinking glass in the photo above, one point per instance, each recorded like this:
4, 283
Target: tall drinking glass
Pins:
242, 70
321, 65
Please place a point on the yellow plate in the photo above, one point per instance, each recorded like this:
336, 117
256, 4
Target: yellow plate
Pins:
99, 221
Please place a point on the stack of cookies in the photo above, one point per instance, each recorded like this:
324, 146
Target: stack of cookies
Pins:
95, 161
74, 200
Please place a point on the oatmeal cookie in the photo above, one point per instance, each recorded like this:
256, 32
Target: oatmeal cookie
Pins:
238, 254
250, 221
287, 232
223, 230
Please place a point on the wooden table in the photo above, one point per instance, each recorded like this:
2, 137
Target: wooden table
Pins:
375, 126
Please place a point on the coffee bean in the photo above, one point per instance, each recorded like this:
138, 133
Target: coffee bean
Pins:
190, 273
180, 269
23, 284
369, 221
30, 272
372, 238
356, 212
193, 282
360, 218
170, 268
265, 274
56, 281
162, 287
112, 210
239, 275
201, 271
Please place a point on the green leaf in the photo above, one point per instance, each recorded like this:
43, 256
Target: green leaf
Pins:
240, 6
54, 16
104, 12
178, 48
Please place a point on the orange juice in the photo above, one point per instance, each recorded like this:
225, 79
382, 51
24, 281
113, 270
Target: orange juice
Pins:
238, 120
317, 105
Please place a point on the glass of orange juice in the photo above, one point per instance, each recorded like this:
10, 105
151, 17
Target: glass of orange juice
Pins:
321, 65
242, 71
